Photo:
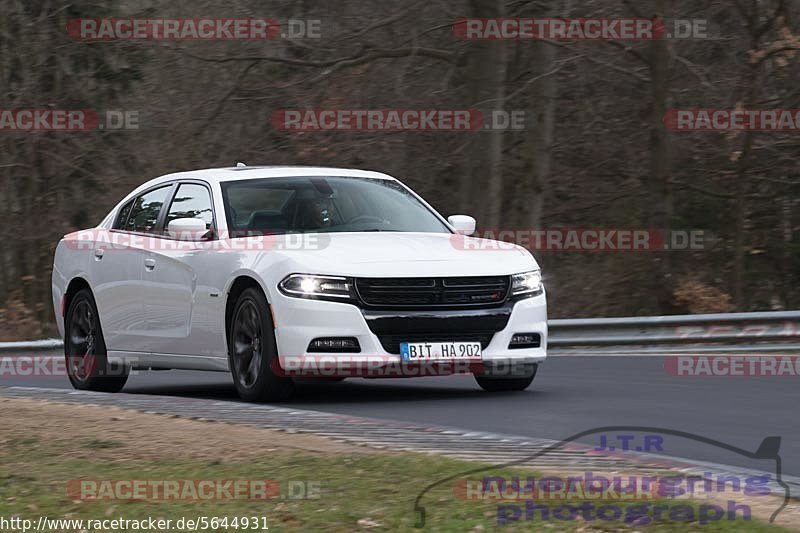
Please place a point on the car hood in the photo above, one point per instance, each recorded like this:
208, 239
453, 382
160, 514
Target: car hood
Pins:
393, 254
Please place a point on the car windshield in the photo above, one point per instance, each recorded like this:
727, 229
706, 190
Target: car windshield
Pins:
325, 204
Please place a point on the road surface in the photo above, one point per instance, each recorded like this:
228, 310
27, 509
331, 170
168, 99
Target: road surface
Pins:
570, 395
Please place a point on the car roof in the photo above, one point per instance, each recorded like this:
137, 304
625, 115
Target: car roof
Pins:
219, 175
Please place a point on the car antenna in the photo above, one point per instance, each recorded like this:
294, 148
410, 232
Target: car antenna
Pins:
240, 164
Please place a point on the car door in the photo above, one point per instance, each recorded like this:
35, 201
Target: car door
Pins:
181, 295
116, 269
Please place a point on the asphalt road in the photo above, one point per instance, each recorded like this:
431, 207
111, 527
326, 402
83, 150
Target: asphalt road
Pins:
570, 395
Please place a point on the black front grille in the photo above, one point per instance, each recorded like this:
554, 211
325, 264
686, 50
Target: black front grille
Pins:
422, 293
391, 343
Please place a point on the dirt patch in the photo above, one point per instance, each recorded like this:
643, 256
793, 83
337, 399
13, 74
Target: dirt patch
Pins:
98, 432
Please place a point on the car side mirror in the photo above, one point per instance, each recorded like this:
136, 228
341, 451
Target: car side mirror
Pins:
463, 224
187, 229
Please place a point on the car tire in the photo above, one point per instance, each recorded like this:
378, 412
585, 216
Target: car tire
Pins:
491, 384
253, 352
85, 348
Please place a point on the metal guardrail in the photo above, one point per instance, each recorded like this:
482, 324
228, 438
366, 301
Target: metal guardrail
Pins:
26, 346
767, 332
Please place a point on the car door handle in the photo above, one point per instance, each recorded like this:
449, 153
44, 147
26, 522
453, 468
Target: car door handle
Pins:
149, 264
98, 254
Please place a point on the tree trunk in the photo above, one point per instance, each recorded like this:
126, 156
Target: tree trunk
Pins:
539, 143
485, 76
660, 182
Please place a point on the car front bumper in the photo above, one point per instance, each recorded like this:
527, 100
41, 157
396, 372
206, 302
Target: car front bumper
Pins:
299, 321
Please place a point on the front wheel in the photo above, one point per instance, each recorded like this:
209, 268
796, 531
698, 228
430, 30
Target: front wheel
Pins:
492, 384
253, 352
85, 348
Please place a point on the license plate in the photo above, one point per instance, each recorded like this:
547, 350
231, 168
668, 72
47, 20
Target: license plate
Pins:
440, 351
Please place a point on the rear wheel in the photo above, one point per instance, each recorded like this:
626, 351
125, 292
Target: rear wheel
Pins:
493, 384
253, 353
85, 348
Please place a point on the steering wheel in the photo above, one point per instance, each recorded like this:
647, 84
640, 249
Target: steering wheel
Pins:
365, 218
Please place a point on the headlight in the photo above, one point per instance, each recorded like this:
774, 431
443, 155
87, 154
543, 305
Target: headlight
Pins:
317, 287
526, 283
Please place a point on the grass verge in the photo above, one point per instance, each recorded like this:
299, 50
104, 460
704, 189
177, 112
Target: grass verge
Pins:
48, 450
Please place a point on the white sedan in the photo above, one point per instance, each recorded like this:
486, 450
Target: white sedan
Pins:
278, 273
